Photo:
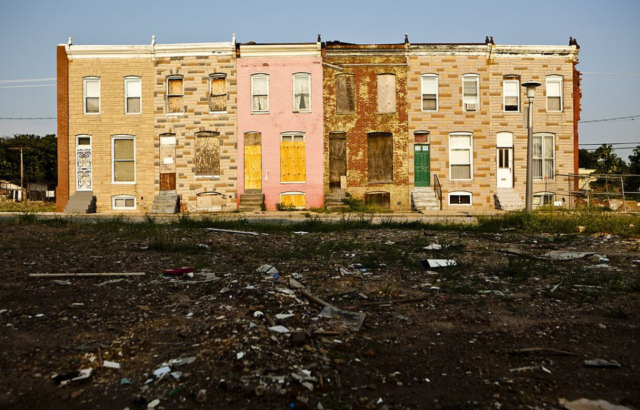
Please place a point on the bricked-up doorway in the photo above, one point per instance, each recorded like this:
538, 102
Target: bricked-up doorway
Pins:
380, 157
337, 158
167, 162
252, 161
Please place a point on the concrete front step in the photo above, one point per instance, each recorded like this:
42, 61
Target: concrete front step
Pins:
82, 202
424, 198
165, 203
251, 201
508, 200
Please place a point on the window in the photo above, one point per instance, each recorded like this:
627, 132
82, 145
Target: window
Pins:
386, 93
460, 198
218, 93
293, 162
554, 93
543, 156
207, 156
345, 95
175, 94
123, 202
460, 156
470, 92
380, 157
133, 95
259, 93
543, 198
295, 200
429, 92
511, 94
91, 95
302, 92
124, 160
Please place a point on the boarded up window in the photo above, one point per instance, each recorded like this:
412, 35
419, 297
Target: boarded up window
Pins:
302, 92
259, 93
207, 156
346, 101
386, 93
218, 93
124, 163
92, 95
293, 200
133, 94
175, 94
380, 157
381, 199
293, 163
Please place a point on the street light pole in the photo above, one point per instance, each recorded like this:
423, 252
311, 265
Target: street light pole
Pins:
531, 94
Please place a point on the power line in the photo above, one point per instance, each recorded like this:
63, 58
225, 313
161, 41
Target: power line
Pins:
30, 86
631, 117
28, 118
32, 80
620, 74
613, 143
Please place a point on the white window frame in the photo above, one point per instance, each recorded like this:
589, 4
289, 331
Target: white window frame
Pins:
460, 193
543, 158
125, 197
257, 76
538, 198
226, 92
85, 80
113, 159
464, 104
470, 148
306, 76
429, 76
130, 79
174, 77
504, 94
555, 79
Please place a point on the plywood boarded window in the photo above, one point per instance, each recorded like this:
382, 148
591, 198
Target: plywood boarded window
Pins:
380, 199
302, 92
207, 156
259, 93
345, 95
295, 200
91, 95
293, 162
380, 157
124, 160
133, 95
386, 93
218, 93
175, 94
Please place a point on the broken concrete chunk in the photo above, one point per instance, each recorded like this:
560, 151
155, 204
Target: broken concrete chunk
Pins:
586, 404
566, 256
352, 319
267, 270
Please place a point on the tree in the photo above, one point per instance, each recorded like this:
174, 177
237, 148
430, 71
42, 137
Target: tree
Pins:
609, 162
633, 183
587, 159
40, 160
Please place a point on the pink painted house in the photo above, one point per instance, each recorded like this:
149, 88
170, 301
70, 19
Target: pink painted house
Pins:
280, 126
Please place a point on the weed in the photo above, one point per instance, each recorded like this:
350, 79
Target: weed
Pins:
283, 207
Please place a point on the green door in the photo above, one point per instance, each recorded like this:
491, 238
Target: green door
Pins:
422, 165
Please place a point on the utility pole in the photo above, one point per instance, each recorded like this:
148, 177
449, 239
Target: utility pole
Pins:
21, 170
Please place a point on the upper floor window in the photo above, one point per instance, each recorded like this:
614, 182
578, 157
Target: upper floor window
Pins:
259, 93
345, 94
218, 93
386, 93
91, 95
302, 92
175, 95
470, 92
554, 93
430, 92
511, 94
133, 95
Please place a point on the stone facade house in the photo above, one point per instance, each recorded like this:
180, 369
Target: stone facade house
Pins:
280, 126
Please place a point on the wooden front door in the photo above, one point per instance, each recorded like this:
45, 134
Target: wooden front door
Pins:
422, 165
84, 176
168, 163
337, 159
252, 160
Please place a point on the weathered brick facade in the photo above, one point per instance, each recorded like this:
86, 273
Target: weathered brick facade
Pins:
366, 63
62, 190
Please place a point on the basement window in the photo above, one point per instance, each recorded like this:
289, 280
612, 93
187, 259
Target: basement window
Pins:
175, 95
218, 93
123, 202
543, 198
460, 198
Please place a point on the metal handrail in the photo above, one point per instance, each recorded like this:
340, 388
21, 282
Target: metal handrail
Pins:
437, 188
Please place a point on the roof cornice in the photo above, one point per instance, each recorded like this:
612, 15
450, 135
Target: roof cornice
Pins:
149, 51
280, 50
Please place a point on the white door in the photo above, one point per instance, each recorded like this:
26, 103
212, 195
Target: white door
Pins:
84, 179
505, 167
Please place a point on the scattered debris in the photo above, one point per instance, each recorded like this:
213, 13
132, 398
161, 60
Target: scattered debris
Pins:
110, 365
232, 231
566, 255
433, 247
267, 270
440, 263
62, 275
543, 350
602, 363
586, 404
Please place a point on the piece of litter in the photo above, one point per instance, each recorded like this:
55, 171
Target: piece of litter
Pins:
602, 363
441, 263
279, 329
267, 269
162, 371
586, 404
239, 355
153, 404
566, 256
182, 361
301, 233
84, 374
284, 316
125, 382
110, 365
176, 375
433, 247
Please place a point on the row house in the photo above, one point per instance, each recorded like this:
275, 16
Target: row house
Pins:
226, 126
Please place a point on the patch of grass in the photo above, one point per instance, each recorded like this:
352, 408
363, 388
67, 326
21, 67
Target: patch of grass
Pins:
27, 206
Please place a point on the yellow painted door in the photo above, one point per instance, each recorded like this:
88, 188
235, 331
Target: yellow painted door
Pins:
253, 167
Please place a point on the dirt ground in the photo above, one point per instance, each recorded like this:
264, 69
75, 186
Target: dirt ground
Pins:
458, 347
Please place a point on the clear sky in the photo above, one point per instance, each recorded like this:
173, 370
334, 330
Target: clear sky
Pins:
607, 31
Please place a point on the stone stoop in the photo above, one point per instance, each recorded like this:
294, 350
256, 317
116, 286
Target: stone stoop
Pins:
508, 200
333, 200
167, 202
82, 202
424, 199
251, 201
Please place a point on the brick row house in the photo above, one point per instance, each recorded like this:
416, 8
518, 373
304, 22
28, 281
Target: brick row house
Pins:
218, 127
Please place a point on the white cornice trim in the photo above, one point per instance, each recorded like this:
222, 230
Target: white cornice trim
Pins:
280, 50
157, 50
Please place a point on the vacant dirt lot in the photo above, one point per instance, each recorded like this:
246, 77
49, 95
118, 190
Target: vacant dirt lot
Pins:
458, 347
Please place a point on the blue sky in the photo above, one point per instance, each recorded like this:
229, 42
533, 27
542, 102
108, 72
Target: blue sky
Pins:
607, 32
